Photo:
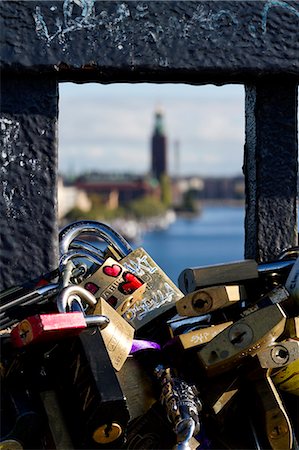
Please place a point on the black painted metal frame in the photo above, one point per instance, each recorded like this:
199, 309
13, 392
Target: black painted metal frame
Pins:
254, 43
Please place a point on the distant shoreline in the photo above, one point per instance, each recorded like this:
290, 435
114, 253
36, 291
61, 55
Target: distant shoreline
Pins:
222, 202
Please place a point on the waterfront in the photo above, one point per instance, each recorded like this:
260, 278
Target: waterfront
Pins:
215, 236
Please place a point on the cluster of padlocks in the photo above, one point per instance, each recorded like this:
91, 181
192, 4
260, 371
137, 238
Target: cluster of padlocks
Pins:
106, 352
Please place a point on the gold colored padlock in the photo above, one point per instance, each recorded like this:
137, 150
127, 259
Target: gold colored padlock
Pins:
160, 295
115, 284
118, 336
203, 301
243, 338
195, 278
274, 416
201, 336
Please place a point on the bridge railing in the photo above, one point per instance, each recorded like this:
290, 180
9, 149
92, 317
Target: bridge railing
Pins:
254, 43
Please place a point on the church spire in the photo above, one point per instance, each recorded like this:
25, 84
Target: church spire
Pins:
159, 147
159, 122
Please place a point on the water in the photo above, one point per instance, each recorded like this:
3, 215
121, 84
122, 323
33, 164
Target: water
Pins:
215, 236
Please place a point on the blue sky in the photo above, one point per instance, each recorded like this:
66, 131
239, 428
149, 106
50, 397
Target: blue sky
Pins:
108, 127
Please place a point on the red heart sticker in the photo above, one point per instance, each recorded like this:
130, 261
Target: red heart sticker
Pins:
131, 283
112, 271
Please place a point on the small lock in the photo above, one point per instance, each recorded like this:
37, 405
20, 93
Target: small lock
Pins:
161, 293
115, 284
191, 279
46, 327
269, 411
243, 338
196, 338
89, 391
118, 337
203, 301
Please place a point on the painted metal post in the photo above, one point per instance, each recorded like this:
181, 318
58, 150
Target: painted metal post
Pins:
270, 167
28, 227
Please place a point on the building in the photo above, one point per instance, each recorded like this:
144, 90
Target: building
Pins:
159, 147
117, 189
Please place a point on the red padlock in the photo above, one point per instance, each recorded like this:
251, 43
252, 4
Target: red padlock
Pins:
45, 327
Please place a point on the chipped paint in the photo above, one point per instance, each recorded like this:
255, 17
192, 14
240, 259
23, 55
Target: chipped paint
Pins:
272, 4
11, 157
70, 23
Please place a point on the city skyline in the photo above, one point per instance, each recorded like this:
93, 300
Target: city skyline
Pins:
108, 128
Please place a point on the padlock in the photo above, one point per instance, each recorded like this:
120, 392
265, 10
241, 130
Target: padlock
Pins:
118, 337
89, 391
196, 338
270, 415
45, 327
178, 325
279, 354
243, 338
277, 295
191, 279
115, 284
161, 293
203, 301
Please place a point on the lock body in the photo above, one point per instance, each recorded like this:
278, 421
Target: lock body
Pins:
160, 294
115, 284
92, 397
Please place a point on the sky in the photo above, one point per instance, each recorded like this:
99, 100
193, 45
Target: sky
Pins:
108, 128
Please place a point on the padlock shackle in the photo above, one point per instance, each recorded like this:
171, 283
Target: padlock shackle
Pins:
80, 253
68, 293
70, 232
83, 245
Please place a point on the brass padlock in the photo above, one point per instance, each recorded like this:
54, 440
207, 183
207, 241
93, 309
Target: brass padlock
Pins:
161, 293
243, 338
203, 301
115, 284
234, 272
202, 336
191, 279
269, 410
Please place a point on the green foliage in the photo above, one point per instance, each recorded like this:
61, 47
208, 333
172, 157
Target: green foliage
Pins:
146, 207
165, 184
189, 201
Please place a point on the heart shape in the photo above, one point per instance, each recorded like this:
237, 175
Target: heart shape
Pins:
112, 271
91, 287
131, 283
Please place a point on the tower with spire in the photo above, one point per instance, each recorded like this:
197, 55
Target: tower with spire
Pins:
159, 147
